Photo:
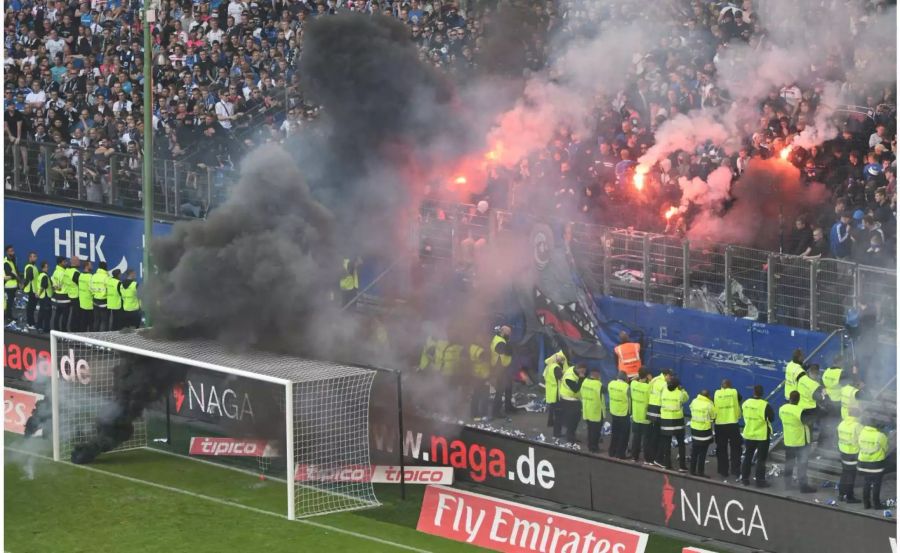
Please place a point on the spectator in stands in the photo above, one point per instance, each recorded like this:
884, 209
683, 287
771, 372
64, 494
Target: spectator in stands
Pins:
820, 247
800, 240
839, 241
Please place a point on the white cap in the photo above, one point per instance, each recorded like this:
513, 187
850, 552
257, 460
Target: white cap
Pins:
482, 206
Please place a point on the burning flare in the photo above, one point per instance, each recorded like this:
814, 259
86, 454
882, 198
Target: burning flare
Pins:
639, 172
785, 153
460, 180
671, 211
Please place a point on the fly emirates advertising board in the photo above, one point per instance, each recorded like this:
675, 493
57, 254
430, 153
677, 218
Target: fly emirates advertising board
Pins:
510, 527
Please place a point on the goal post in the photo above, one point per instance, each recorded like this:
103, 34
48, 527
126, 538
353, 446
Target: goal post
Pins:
287, 418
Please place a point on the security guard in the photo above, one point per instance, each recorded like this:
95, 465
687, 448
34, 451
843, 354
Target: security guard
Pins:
657, 385
98, 292
501, 359
619, 409
60, 299
640, 422
114, 300
795, 421
553, 370
811, 391
10, 283
85, 299
628, 354
570, 399
481, 388
433, 354
42, 291
671, 423
703, 415
758, 417
850, 396
792, 372
131, 304
451, 361
350, 280
70, 284
833, 379
848, 444
593, 409
29, 281
873, 450
727, 402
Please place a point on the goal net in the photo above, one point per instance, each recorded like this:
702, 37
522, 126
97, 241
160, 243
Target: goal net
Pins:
289, 419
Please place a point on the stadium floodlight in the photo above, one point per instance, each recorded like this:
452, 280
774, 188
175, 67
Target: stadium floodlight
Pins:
110, 389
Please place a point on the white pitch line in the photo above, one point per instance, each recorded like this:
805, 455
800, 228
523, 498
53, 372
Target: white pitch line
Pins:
225, 502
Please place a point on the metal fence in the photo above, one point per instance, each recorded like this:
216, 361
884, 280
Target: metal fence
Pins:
63, 171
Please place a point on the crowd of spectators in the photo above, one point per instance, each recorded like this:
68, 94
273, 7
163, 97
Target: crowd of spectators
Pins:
226, 80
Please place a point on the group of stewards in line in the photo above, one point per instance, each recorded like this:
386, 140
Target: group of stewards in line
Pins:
651, 411
72, 298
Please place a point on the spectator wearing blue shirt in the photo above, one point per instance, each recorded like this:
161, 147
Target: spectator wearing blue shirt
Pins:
840, 237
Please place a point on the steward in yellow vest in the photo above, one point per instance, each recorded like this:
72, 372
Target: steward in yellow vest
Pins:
42, 291
848, 444
727, 401
811, 391
640, 422
131, 303
61, 303
501, 359
29, 283
593, 409
797, 436
114, 300
758, 416
570, 399
554, 366
10, 283
873, 451
792, 372
481, 388
619, 408
657, 385
703, 415
85, 298
671, 423
350, 280
850, 396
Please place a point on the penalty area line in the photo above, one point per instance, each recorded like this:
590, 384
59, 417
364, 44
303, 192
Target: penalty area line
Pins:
224, 502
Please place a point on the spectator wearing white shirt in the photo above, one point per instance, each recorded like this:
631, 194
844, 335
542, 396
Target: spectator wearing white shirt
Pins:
54, 44
36, 97
877, 137
215, 34
236, 8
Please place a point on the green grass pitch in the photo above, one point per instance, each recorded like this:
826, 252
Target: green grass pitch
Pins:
144, 501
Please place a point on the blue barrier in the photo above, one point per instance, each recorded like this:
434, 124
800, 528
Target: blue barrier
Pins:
53, 230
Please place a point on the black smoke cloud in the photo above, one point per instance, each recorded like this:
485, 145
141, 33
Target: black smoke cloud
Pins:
138, 382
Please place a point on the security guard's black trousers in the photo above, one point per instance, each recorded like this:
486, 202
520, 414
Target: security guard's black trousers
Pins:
728, 449
652, 440
29, 308
481, 400
698, 455
848, 475
871, 495
640, 435
618, 443
10, 304
664, 454
761, 449
43, 319
60, 318
594, 435
571, 411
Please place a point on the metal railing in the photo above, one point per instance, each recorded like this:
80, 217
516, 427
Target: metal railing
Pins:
64, 171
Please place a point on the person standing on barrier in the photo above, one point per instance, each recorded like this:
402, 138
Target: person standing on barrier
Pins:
131, 304
593, 409
43, 291
628, 354
758, 416
10, 283
570, 399
553, 371
501, 359
640, 422
60, 298
792, 372
727, 402
619, 408
70, 284
29, 281
671, 423
657, 385
98, 292
797, 438
703, 415
114, 301
873, 450
85, 299
848, 444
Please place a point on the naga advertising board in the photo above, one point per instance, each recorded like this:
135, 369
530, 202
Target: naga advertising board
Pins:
52, 231
729, 513
511, 527
26, 358
17, 408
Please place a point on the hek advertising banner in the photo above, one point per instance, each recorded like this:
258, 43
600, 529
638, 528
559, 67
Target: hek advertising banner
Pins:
52, 231
509, 527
